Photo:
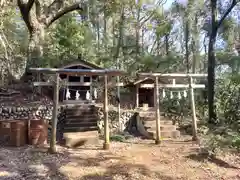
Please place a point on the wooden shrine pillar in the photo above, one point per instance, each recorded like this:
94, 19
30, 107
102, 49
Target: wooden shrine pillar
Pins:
120, 129
91, 88
157, 110
137, 96
81, 78
106, 144
66, 89
194, 118
54, 115
39, 89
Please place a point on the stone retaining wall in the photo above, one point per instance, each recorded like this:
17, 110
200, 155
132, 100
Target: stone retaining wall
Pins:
126, 118
45, 112
26, 112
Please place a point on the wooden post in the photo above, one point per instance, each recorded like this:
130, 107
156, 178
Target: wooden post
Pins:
82, 79
91, 89
137, 95
54, 116
106, 125
156, 104
67, 87
39, 89
194, 118
119, 105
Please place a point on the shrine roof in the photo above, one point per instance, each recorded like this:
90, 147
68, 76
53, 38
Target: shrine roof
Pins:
111, 72
80, 62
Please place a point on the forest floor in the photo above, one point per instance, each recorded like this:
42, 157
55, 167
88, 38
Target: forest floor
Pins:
136, 159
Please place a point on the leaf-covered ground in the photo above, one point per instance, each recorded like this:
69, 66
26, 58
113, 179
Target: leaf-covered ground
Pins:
137, 159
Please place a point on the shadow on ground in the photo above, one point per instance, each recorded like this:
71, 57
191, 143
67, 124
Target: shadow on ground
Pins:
121, 169
31, 164
211, 159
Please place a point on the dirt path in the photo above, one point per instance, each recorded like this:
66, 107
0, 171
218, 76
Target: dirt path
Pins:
142, 160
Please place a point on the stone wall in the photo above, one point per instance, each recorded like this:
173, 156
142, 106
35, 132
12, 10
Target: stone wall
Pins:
126, 119
45, 112
26, 112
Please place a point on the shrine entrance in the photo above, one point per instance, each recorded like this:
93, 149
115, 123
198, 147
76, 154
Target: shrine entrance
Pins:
79, 88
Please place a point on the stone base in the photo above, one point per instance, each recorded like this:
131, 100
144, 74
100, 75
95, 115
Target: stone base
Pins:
77, 139
167, 134
106, 146
157, 142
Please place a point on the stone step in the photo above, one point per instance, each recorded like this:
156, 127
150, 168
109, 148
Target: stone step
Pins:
72, 106
80, 113
78, 121
162, 128
77, 139
81, 107
166, 134
81, 118
80, 129
153, 123
162, 118
85, 117
80, 124
149, 114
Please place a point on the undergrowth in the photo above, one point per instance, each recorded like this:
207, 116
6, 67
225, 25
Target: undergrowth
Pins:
217, 140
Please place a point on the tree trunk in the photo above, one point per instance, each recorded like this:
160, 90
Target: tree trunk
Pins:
186, 32
98, 35
166, 39
35, 47
211, 79
195, 45
211, 64
211, 56
158, 45
105, 30
137, 33
205, 55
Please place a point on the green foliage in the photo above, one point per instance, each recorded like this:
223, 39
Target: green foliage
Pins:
236, 142
70, 38
117, 138
226, 133
228, 101
214, 142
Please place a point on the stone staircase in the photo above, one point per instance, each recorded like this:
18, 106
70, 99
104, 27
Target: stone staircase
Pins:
146, 125
80, 126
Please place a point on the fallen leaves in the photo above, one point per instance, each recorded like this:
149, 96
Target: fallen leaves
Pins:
139, 159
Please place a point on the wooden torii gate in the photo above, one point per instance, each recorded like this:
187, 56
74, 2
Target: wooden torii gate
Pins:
56, 72
191, 88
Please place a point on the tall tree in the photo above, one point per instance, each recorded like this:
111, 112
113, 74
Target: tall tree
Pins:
215, 24
38, 16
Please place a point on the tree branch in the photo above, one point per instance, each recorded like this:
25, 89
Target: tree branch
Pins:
38, 9
29, 5
56, 5
233, 4
55, 16
25, 10
143, 21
